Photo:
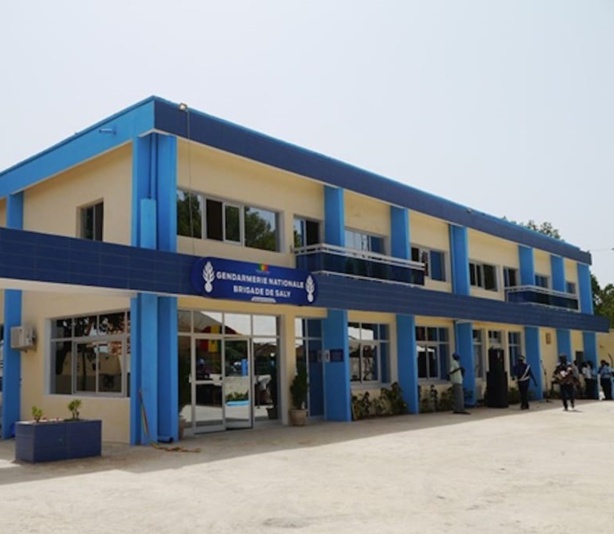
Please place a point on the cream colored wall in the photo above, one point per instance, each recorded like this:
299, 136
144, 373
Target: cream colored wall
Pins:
571, 273
549, 353
368, 215
543, 265
2, 212
227, 177
38, 308
605, 346
494, 251
53, 206
434, 234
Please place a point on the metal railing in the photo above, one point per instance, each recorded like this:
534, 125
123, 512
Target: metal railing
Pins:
332, 259
540, 295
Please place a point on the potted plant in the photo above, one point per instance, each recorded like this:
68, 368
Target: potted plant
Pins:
47, 440
298, 395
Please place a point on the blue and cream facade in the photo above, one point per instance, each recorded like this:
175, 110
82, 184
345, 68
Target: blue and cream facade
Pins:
163, 243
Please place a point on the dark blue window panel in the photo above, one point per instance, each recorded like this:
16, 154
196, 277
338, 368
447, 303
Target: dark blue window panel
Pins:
436, 268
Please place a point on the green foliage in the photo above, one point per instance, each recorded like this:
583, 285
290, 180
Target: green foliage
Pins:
298, 389
603, 300
37, 413
189, 216
389, 402
74, 406
236, 396
545, 228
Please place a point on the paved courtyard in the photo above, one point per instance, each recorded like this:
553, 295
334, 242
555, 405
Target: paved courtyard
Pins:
494, 471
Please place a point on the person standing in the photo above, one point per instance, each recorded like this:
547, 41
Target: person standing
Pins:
523, 374
456, 378
590, 380
565, 377
605, 379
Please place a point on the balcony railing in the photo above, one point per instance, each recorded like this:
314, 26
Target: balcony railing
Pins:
331, 259
540, 295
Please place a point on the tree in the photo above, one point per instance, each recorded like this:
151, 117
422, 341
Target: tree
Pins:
545, 228
603, 300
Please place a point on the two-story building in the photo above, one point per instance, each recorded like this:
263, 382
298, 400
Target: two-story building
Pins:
163, 247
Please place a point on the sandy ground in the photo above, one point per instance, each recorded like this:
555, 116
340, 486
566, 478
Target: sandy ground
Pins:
494, 471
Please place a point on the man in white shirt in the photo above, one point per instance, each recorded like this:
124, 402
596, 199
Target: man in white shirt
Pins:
456, 377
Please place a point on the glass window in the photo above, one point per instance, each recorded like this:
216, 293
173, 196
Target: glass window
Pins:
433, 260
369, 353
570, 287
510, 277
260, 229
433, 351
515, 347
365, 242
232, 223
483, 275
92, 221
478, 353
90, 354
306, 232
542, 281
189, 214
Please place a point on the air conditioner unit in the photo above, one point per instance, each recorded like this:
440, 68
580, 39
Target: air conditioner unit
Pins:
22, 337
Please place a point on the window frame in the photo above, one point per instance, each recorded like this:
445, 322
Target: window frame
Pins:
381, 341
97, 230
542, 280
425, 253
97, 339
365, 238
442, 357
478, 277
507, 271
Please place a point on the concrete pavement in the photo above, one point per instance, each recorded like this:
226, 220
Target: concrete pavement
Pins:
495, 471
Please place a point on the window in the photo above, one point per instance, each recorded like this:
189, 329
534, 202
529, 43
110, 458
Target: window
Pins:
483, 275
478, 353
91, 221
570, 287
433, 351
89, 354
542, 281
369, 352
514, 340
306, 232
434, 262
365, 242
510, 277
198, 216
308, 351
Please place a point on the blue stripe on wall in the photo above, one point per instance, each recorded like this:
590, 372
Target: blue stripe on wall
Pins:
563, 343
585, 288
399, 232
337, 391
334, 216
557, 267
407, 362
533, 354
463, 332
459, 249
527, 265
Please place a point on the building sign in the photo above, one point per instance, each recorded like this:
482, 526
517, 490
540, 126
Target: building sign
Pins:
239, 280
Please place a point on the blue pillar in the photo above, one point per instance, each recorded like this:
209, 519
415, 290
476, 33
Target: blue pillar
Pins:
463, 332
527, 265
337, 392
407, 361
316, 370
585, 289
533, 354
589, 340
563, 343
557, 267
334, 216
11, 381
459, 250
399, 232
154, 362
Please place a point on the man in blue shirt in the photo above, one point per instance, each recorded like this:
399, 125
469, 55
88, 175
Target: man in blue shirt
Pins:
605, 378
522, 372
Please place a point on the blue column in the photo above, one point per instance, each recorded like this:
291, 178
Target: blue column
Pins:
316, 370
407, 361
527, 265
464, 346
334, 216
154, 363
533, 354
11, 381
585, 289
563, 343
399, 232
590, 352
557, 267
337, 392
459, 250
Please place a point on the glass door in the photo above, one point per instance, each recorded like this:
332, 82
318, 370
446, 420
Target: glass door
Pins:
207, 385
237, 383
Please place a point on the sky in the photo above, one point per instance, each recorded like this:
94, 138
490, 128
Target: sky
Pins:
506, 107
